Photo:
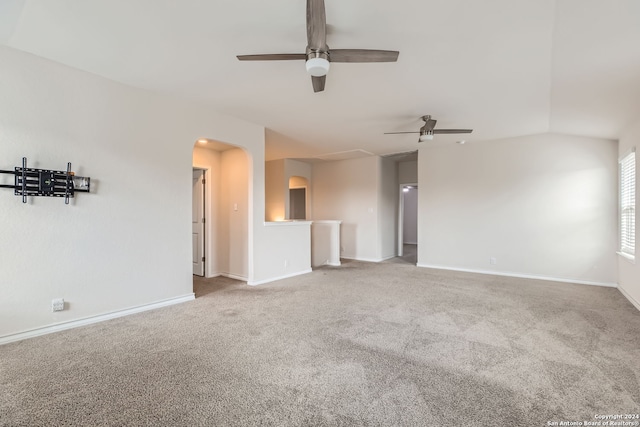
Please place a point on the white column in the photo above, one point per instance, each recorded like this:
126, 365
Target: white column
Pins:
325, 243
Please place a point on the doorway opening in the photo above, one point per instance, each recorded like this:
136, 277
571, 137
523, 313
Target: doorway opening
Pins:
220, 213
298, 200
408, 224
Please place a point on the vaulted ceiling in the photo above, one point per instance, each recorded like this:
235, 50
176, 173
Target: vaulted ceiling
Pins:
502, 67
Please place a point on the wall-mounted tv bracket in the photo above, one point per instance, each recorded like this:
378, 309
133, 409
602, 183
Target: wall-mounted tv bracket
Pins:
46, 182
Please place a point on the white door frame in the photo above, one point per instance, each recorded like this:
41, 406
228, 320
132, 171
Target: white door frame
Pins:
401, 216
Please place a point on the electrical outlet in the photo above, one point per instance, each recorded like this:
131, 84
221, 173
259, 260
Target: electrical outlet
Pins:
57, 304
286, 263
493, 261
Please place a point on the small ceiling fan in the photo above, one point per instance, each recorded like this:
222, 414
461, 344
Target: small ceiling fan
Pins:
318, 56
427, 131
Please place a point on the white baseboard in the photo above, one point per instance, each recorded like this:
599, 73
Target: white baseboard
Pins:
522, 276
628, 296
228, 275
233, 276
364, 259
332, 264
286, 276
369, 259
92, 319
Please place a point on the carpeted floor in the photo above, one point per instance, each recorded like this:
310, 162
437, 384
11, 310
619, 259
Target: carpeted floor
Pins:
409, 255
358, 345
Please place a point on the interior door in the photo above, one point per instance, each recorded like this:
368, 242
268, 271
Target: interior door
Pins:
197, 222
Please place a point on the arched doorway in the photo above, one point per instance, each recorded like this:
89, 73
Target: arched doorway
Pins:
226, 208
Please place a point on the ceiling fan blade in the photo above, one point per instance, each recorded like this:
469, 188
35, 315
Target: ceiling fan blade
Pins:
318, 83
397, 133
316, 25
363, 55
272, 57
448, 131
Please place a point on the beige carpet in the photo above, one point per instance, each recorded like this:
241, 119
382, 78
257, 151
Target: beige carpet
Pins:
358, 345
409, 255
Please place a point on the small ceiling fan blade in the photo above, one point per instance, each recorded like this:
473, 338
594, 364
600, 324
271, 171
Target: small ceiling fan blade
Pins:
397, 133
273, 57
363, 55
318, 83
316, 25
448, 131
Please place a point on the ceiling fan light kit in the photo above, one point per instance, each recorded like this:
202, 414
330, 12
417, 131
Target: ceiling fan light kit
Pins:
318, 56
317, 67
425, 136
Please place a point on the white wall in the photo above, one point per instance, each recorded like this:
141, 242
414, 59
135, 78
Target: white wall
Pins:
128, 244
275, 190
274, 244
628, 271
347, 190
410, 216
234, 214
388, 208
542, 205
363, 194
291, 242
408, 172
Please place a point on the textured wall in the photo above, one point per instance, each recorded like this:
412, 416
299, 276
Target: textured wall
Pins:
347, 190
128, 243
542, 205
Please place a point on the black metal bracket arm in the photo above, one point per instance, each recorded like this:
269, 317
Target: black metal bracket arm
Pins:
46, 182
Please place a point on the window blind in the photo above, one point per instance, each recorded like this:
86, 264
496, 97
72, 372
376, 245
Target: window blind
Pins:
628, 204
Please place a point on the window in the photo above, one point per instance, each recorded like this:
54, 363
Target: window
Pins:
628, 205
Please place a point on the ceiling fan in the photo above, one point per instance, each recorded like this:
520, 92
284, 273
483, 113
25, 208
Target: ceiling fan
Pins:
427, 131
318, 56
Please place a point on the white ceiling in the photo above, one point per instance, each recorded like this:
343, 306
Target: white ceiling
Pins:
502, 67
